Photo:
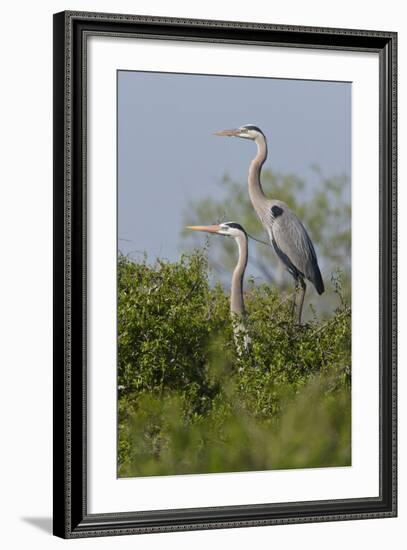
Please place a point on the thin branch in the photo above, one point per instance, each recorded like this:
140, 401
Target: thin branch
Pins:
330, 322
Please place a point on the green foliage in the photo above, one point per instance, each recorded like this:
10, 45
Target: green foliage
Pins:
189, 403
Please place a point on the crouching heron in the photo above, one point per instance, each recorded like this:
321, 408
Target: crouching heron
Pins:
237, 308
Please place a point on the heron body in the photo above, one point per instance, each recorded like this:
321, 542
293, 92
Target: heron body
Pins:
237, 307
287, 234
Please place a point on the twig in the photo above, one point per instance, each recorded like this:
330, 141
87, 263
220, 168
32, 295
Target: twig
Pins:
325, 325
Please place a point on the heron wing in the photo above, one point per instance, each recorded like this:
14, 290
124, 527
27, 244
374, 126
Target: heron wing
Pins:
293, 244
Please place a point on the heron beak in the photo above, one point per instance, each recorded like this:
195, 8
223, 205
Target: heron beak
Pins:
229, 133
207, 228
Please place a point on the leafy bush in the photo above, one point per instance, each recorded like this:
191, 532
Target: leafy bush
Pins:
189, 403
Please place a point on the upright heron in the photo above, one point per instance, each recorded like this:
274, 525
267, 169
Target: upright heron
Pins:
237, 308
287, 234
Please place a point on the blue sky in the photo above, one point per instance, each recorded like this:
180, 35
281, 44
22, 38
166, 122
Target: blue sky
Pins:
168, 155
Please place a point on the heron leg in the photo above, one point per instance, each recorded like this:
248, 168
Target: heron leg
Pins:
302, 296
297, 286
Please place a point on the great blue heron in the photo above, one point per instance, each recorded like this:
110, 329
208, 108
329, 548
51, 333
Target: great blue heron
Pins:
237, 309
287, 234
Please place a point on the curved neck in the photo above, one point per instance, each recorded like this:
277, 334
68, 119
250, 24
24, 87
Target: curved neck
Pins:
255, 190
236, 294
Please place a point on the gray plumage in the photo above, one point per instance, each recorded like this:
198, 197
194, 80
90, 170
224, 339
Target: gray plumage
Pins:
293, 245
287, 234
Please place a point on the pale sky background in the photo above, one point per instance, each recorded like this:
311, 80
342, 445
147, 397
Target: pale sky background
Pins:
167, 153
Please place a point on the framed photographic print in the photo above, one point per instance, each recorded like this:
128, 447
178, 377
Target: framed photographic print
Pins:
224, 274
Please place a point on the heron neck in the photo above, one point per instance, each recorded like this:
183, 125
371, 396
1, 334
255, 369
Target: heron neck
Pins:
255, 189
236, 295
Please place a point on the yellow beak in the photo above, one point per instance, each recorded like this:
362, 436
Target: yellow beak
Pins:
228, 133
207, 228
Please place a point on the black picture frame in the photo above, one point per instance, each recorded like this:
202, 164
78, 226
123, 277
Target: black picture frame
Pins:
71, 518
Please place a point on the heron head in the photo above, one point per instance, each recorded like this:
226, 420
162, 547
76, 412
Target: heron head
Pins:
248, 131
229, 229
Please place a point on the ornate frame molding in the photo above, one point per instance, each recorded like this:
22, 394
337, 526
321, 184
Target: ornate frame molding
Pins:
71, 30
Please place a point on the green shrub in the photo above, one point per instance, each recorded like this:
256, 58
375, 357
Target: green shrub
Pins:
189, 403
